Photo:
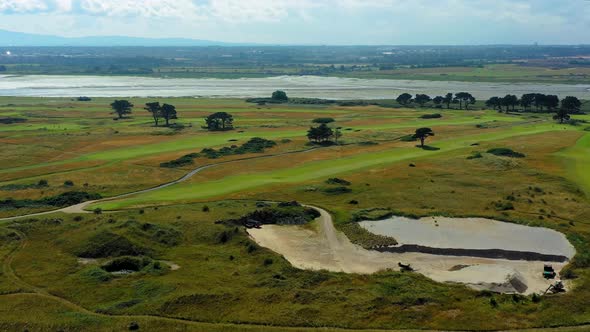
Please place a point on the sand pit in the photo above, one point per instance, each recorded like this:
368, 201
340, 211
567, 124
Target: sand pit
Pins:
326, 248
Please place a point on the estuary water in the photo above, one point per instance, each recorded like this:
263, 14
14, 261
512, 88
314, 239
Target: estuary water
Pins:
295, 86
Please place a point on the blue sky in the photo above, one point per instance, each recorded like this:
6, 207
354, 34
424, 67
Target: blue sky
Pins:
408, 22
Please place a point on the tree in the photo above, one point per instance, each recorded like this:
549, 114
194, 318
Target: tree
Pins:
562, 115
527, 100
279, 96
404, 99
571, 104
121, 107
155, 109
448, 99
422, 134
320, 134
470, 100
464, 98
168, 113
438, 100
219, 121
539, 101
422, 99
552, 102
510, 100
495, 103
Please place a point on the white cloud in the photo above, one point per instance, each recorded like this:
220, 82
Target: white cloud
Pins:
22, 6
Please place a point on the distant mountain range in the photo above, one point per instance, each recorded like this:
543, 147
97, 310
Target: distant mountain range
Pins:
11, 38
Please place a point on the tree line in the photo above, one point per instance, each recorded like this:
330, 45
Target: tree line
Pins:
463, 99
534, 101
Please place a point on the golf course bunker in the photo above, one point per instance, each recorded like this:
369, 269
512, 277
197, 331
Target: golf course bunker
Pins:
323, 247
476, 237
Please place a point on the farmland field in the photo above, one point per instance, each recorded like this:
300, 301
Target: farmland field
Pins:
199, 270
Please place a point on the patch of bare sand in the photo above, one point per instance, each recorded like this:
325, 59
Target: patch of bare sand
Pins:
328, 249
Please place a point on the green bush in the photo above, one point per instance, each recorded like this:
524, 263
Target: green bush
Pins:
96, 274
505, 152
107, 244
323, 120
337, 190
338, 181
180, 162
431, 116
475, 155
61, 200
127, 263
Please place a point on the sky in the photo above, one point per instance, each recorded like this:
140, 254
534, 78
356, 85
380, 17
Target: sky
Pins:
330, 22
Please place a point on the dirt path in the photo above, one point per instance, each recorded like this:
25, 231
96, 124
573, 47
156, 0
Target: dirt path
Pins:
326, 248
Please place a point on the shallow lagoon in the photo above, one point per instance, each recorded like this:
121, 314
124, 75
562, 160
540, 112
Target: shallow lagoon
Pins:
296, 86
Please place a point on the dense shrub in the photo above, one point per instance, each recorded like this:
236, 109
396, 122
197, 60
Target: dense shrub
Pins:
505, 152
286, 214
127, 263
16, 186
338, 181
254, 145
11, 120
107, 244
61, 200
475, 155
70, 198
323, 120
337, 190
431, 116
96, 274
180, 162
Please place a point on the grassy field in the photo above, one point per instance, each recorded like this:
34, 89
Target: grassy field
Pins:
201, 275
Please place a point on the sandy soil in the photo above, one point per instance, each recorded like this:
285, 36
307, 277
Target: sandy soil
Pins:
326, 248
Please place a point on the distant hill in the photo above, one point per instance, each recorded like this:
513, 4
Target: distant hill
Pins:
11, 38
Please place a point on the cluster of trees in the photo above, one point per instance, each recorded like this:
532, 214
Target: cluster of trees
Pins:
324, 134
464, 99
166, 111
220, 121
540, 102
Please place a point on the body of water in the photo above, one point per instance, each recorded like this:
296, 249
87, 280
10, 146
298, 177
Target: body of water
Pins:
295, 86
472, 233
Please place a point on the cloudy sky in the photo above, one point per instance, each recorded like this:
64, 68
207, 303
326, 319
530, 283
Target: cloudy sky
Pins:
310, 21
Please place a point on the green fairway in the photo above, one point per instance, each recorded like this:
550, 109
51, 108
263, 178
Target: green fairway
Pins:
230, 184
577, 161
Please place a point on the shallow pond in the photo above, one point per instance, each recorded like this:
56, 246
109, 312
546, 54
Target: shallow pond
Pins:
472, 233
